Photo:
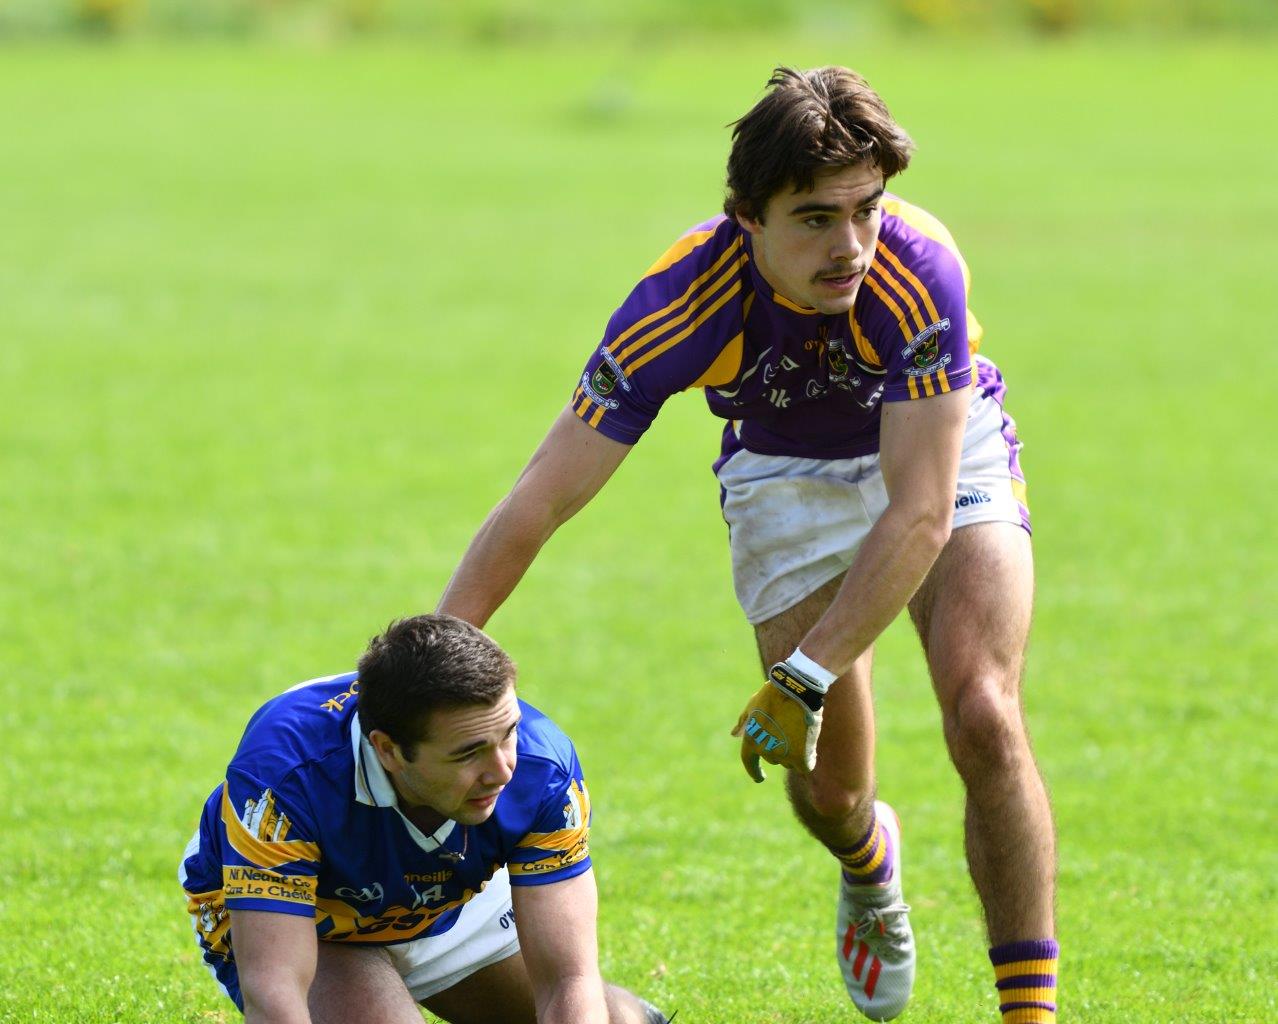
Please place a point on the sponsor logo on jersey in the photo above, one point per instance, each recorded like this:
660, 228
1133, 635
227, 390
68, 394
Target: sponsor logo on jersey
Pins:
428, 876
239, 883
589, 388
967, 498
366, 894
335, 703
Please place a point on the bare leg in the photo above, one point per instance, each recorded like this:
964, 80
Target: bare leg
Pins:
973, 615
359, 983
502, 994
836, 801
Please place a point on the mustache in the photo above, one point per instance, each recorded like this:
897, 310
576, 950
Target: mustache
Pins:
840, 271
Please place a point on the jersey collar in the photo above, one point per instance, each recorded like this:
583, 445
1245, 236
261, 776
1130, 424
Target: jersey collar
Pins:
374, 788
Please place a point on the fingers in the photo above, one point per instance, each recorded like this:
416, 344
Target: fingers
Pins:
750, 760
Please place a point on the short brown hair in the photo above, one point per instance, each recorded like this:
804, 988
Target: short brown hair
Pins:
809, 122
422, 664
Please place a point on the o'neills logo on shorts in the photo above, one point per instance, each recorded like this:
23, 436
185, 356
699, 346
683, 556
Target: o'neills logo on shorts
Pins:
972, 498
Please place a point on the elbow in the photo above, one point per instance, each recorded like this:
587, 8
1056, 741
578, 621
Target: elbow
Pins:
930, 526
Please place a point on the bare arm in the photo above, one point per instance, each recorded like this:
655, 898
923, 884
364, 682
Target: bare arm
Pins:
565, 472
919, 452
556, 925
275, 955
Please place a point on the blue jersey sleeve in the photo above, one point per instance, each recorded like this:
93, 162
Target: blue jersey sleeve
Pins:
557, 847
271, 856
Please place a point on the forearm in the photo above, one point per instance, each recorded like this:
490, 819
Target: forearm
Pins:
497, 559
281, 1004
891, 563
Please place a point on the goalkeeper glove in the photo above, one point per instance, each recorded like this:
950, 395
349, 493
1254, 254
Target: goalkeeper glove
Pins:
781, 722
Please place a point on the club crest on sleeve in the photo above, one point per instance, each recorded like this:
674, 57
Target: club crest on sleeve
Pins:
925, 349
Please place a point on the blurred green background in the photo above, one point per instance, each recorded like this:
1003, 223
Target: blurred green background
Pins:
284, 307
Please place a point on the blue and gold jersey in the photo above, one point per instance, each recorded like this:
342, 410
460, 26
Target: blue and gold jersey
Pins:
791, 380
306, 823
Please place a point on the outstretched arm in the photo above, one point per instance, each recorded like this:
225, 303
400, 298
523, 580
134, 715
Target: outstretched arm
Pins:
565, 472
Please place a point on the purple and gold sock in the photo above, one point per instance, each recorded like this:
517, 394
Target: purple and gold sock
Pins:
1025, 974
871, 860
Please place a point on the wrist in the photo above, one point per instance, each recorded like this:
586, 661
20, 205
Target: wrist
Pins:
816, 675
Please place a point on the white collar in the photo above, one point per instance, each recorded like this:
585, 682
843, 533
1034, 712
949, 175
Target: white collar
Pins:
374, 788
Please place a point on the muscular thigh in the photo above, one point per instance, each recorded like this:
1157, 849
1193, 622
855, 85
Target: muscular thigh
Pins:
497, 994
359, 983
973, 611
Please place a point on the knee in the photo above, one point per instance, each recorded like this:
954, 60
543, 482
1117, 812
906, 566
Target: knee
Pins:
828, 798
985, 731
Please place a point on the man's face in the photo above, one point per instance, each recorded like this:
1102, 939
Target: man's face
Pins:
462, 764
815, 247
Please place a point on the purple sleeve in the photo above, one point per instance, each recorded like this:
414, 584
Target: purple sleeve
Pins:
916, 316
670, 330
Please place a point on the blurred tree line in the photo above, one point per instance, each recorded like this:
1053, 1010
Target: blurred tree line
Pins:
520, 19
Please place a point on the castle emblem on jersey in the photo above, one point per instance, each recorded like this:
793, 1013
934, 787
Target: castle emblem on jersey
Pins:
836, 358
924, 351
588, 386
604, 380
262, 820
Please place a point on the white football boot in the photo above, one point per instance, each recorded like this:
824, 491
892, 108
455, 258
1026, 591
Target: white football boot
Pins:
875, 943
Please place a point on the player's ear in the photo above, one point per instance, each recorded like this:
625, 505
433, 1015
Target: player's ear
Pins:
749, 223
387, 750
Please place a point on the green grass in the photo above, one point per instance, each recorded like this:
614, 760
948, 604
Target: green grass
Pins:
277, 328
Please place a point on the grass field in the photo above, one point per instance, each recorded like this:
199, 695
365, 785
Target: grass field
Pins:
277, 327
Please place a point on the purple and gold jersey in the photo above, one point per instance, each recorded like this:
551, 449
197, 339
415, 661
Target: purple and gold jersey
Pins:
790, 380
307, 823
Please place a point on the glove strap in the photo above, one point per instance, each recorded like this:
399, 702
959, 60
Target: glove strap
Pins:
783, 675
816, 676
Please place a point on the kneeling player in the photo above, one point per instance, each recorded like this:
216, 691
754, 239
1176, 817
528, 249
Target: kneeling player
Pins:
410, 833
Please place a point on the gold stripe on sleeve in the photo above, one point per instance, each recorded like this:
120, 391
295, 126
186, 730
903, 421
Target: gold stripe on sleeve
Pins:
891, 304
679, 250
943, 381
701, 297
261, 852
900, 290
905, 273
656, 350
639, 325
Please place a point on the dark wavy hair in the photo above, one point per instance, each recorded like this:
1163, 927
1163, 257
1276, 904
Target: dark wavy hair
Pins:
422, 664
809, 122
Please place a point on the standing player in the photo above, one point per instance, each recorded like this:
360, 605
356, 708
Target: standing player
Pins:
409, 833
867, 465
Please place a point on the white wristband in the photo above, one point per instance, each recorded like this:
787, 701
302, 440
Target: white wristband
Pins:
821, 677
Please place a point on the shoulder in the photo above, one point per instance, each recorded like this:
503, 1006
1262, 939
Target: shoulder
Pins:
543, 746
698, 248
914, 240
307, 724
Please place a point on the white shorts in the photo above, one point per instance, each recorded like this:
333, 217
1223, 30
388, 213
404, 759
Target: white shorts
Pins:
483, 934
795, 524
